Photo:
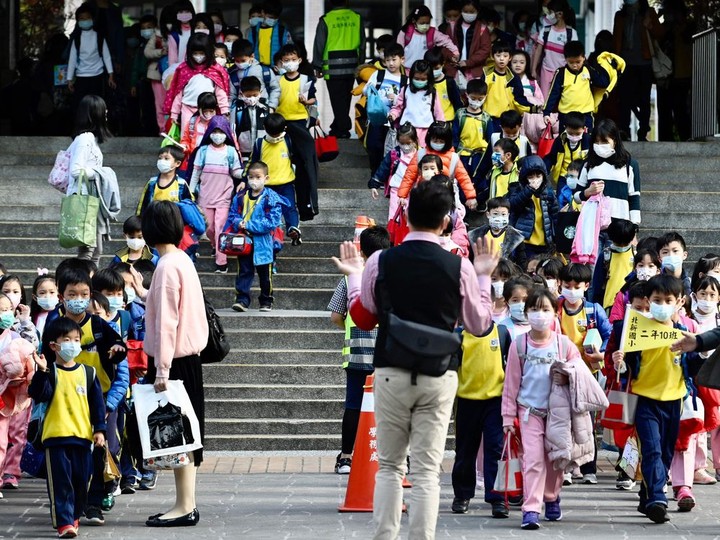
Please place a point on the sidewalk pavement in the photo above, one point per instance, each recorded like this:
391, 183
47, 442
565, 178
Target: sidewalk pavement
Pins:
300, 504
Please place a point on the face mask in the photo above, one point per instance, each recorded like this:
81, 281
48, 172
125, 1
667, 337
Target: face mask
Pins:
184, 16
169, 26
498, 287
646, 314
672, 263
147, 33
438, 147
716, 275
250, 101
469, 17
199, 58
574, 139
476, 103
517, 311
69, 351
202, 31
522, 26
85, 25
220, 61
661, 312
571, 181
270, 22
572, 295
208, 116
603, 150
256, 185
437, 73
47, 303
551, 18
135, 243
218, 138
115, 303
540, 320
407, 148
131, 295
644, 273
77, 305
552, 285
497, 159
291, 66
281, 71
228, 45
419, 84
498, 222
244, 65
218, 28
7, 319
14, 299
275, 140
535, 183
164, 166
428, 174
619, 249
422, 28
254, 21
706, 307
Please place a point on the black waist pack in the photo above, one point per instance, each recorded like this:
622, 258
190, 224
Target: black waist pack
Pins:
420, 348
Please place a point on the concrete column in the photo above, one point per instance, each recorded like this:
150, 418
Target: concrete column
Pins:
314, 9
435, 7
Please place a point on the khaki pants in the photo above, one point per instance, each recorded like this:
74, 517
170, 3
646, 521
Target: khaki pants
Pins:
414, 417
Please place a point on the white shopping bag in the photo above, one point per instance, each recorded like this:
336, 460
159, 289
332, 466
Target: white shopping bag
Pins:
147, 401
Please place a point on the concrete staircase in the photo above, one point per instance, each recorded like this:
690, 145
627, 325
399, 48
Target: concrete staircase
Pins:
281, 388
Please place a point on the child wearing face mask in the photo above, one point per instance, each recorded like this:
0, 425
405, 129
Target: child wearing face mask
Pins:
12, 287
167, 185
533, 124
530, 375
567, 185
572, 145
255, 17
646, 264
44, 299
533, 206
142, 74
270, 35
221, 55
418, 36
110, 284
207, 108
500, 234
504, 272
475, 126
505, 171
510, 128
618, 260
250, 112
446, 88
451, 15
68, 444
182, 29
217, 171
673, 251
390, 173
156, 52
515, 292
136, 248
549, 269
245, 65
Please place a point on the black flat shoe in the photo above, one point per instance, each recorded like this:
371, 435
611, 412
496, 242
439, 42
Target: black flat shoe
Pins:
188, 520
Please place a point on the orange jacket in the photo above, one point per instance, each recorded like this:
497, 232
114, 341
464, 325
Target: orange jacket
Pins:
412, 175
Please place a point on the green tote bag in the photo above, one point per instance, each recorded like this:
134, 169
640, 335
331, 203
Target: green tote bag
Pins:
78, 218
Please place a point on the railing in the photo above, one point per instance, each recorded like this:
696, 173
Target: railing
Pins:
705, 84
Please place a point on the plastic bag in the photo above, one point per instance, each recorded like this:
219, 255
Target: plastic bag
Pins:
377, 110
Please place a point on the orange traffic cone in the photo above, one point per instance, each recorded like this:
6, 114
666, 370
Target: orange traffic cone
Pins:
361, 484
361, 223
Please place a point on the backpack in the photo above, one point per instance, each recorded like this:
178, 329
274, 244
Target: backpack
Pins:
60, 174
192, 216
217, 346
454, 160
429, 36
591, 318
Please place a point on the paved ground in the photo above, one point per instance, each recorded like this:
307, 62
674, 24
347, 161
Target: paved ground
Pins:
241, 497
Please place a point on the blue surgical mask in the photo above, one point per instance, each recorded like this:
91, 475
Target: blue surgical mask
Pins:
114, 303
661, 312
497, 159
270, 22
77, 306
7, 319
672, 263
255, 21
437, 73
420, 84
85, 24
69, 350
437, 146
131, 295
47, 303
147, 33
517, 311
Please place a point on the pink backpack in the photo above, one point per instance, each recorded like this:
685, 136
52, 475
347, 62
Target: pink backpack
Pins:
60, 173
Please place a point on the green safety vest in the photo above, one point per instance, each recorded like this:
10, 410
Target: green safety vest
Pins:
359, 347
342, 47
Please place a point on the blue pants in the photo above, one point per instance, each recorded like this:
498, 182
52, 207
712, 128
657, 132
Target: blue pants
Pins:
244, 279
657, 424
99, 489
476, 419
69, 469
375, 145
290, 214
127, 465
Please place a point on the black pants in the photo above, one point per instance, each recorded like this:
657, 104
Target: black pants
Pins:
340, 89
674, 109
634, 90
87, 86
375, 145
306, 168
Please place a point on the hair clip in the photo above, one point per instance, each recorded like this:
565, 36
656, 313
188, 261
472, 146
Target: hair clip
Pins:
43, 271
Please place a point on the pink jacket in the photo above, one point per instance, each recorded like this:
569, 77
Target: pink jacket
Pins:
569, 430
16, 371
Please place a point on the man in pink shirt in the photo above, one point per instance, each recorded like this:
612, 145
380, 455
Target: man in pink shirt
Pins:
416, 283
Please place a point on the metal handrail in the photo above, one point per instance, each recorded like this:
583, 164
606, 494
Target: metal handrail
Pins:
705, 84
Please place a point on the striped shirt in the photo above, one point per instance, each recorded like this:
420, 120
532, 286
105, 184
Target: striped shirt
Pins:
620, 188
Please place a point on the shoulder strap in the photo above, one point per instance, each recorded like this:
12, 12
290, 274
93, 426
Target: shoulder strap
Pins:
89, 376
379, 78
230, 157
504, 339
546, 34
454, 160
409, 34
430, 38
403, 80
461, 116
267, 76
568, 34
521, 347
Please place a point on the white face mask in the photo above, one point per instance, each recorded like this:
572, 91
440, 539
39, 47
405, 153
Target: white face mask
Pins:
218, 28
476, 103
469, 17
573, 295
571, 181
604, 150
535, 183
275, 140
205, 31
437, 146
552, 285
218, 138
136, 243
437, 73
716, 275
14, 299
198, 58
498, 222
644, 273
498, 287
220, 61
705, 307
47, 303
250, 101
255, 185
661, 312
291, 66
244, 65
540, 320
164, 166
517, 311
147, 33
208, 115
427, 174
407, 148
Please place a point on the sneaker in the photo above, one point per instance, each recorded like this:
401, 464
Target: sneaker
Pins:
623, 481
237, 306
10, 481
500, 510
460, 506
342, 465
576, 474
221, 268
265, 309
702, 478
567, 479
657, 513
531, 521
94, 516
1, 495
129, 487
148, 480
295, 235
553, 511
589, 479
685, 499
117, 491
67, 531
480, 484
108, 502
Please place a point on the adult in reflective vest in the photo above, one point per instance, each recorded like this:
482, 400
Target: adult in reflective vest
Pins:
339, 48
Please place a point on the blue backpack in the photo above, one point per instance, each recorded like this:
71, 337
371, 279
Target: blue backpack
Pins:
192, 216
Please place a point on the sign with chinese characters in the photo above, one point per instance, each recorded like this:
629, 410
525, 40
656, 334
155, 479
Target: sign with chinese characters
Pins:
641, 333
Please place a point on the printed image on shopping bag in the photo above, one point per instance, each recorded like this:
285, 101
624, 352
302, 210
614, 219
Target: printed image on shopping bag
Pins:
168, 427
630, 460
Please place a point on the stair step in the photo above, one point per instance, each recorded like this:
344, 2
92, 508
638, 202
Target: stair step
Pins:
271, 426
277, 408
276, 391
272, 374
271, 339
274, 443
289, 356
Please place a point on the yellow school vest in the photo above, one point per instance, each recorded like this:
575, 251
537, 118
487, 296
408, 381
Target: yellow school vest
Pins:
472, 136
576, 92
265, 46
500, 181
89, 356
289, 106
495, 242
68, 414
537, 238
447, 106
170, 193
661, 375
574, 326
277, 157
564, 158
481, 374
621, 264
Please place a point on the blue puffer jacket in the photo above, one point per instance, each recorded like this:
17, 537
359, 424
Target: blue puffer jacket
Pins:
264, 219
119, 386
522, 208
